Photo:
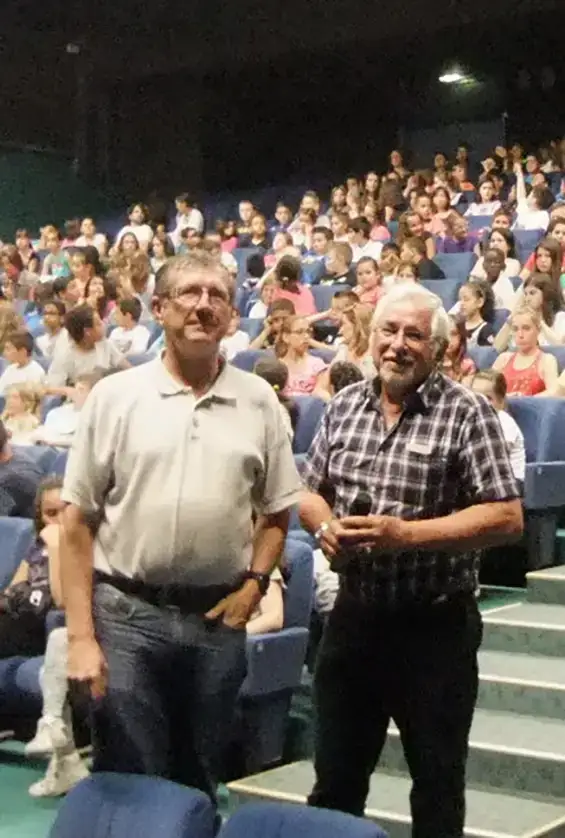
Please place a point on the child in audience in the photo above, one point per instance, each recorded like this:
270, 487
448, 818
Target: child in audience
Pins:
279, 311
326, 324
21, 368
411, 225
476, 307
355, 333
492, 385
260, 307
292, 349
388, 263
548, 259
236, 340
288, 275
53, 319
414, 250
21, 413
539, 294
342, 374
276, 374
487, 203
129, 336
504, 241
56, 264
455, 363
338, 266
368, 288
254, 269
406, 272
61, 422
528, 371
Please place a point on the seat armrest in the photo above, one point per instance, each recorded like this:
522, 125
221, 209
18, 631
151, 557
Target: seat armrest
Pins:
274, 661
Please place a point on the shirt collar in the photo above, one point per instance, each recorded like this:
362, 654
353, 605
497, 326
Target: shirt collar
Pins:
223, 389
420, 401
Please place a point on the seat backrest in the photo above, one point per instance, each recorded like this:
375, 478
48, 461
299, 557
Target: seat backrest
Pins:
542, 422
324, 294
142, 358
287, 820
326, 355
310, 412
558, 353
251, 326
526, 242
42, 455
48, 403
477, 223
299, 595
16, 537
482, 356
501, 315
60, 463
246, 360
446, 289
115, 805
456, 265
241, 255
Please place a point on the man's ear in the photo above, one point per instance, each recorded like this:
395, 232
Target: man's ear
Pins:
156, 309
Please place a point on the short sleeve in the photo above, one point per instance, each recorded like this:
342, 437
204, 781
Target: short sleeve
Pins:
90, 465
115, 357
279, 486
485, 468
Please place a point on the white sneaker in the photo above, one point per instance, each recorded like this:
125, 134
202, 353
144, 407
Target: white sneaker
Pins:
51, 735
63, 772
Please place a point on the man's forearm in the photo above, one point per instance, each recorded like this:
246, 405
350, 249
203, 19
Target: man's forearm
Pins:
484, 525
313, 511
76, 573
268, 542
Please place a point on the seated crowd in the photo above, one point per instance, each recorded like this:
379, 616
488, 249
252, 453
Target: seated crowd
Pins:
75, 307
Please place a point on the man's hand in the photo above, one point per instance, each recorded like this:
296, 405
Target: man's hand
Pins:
330, 534
237, 608
87, 664
381, 532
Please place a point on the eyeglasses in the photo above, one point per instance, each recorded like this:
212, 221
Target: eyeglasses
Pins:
188, 297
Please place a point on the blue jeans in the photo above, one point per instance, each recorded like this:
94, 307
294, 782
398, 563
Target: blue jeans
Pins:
173, 681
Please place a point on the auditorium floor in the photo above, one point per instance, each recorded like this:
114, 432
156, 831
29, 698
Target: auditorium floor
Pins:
22, 817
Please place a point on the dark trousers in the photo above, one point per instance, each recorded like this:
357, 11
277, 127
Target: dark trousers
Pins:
417, 667
173, 681
22, 634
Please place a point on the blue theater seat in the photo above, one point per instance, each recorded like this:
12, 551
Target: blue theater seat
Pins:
526, 242
48, 403
324, 294
252, 326
482, 356
274, 665
241, 255
456, 265
501, 315
478, 223
142, 358
16, 537
288, 820
326, 355
120, 805
246, 360
310, 412
43, 455
542, 422
558, 353
446, 289
60, 464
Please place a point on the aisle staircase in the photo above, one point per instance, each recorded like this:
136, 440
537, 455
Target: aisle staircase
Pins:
516, 767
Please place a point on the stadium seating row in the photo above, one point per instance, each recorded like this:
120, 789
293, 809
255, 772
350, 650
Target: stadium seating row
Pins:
116, 805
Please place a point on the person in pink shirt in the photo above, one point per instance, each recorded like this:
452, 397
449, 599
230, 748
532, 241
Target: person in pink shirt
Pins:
288, 273
292, 348
369, 288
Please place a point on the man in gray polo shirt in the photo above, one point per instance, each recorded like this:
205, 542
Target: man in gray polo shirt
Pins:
172, 458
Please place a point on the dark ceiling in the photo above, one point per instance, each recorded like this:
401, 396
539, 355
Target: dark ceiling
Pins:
128, 39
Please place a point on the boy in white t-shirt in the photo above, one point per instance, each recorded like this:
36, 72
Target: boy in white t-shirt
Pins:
236, 340
129, 336
21, 369
492, 384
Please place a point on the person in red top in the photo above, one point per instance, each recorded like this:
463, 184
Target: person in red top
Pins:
528, 371
288, 274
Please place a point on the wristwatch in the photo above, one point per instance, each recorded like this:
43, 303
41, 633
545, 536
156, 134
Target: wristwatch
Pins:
263, 580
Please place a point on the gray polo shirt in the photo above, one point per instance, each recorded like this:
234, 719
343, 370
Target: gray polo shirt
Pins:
176, 478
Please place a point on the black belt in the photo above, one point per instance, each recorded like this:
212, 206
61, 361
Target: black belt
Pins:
189, 599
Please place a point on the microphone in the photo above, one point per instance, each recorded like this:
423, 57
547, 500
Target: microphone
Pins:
361, 506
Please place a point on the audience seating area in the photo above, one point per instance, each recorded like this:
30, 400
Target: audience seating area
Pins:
114, 806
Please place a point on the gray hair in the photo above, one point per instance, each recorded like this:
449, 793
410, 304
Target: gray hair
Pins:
195, 261
422, 299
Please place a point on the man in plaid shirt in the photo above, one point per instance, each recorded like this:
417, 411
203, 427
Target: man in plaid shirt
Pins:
427, 458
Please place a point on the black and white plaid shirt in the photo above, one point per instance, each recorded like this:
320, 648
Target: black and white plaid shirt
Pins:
446, 453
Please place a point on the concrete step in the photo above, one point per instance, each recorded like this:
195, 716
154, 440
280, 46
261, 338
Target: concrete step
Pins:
490, 814
527, 627
547, 586
524, 684
518, 753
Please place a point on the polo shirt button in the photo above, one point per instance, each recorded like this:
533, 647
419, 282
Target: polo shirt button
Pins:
195, 422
